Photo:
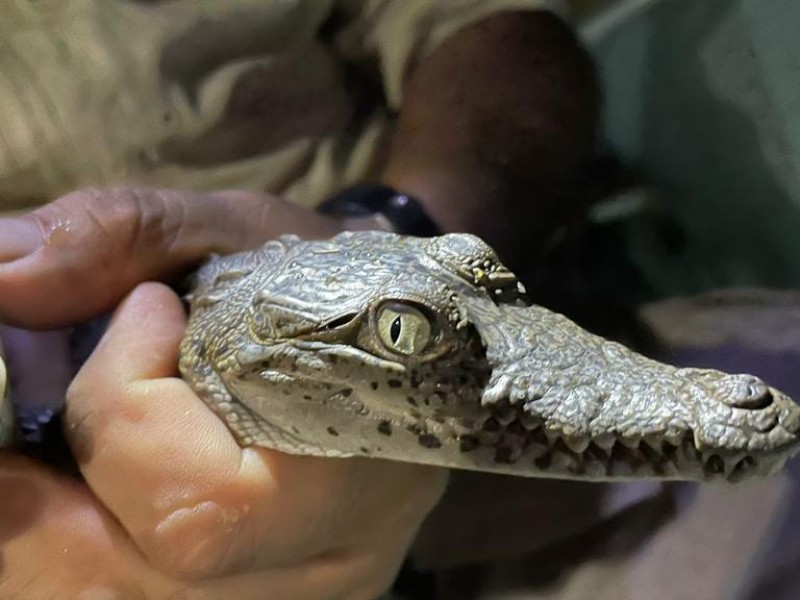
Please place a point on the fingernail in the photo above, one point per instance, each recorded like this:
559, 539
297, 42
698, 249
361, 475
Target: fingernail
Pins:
18, 238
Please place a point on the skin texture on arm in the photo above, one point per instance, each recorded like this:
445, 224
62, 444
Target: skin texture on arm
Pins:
494, 124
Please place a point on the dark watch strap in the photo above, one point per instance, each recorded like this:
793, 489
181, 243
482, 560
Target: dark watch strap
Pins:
405, 213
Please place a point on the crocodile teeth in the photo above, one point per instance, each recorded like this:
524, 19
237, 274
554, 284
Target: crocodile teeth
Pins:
552, 436
669, 469
672, 437
651, 454
631, 442
608, 455
605, 441
577, 444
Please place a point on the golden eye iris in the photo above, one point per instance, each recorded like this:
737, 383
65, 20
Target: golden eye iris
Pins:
404, 329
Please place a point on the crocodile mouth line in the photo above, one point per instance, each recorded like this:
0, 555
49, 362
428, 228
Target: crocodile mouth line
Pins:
627, 459
612, 456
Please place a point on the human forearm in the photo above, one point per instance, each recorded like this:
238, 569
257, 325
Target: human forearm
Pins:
494, 123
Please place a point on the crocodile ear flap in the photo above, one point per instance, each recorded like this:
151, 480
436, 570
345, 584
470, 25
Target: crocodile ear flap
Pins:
491, 321
502, 329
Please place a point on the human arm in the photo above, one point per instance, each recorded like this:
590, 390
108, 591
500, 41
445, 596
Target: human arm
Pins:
494, 124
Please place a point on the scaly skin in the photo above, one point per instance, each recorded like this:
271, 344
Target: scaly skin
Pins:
425, 350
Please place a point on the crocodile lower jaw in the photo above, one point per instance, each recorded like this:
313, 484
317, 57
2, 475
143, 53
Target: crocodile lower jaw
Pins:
550, 454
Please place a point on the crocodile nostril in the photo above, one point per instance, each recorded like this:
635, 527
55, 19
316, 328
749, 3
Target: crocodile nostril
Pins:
750, 393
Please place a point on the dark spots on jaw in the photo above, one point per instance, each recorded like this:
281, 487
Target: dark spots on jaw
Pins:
438, 418
374, 385
415, 414
394, 383
426, 440
346, 392
385, 428
364, 450
306, 397
416, 381
286, 391
411, 401
332, 431
333, 359
468, 443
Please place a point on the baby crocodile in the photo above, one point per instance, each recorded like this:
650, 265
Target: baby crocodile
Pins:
426, 350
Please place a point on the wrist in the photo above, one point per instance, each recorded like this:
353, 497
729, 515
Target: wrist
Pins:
457, 198
380, 207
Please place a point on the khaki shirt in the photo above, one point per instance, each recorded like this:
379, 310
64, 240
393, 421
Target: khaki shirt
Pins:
209, 94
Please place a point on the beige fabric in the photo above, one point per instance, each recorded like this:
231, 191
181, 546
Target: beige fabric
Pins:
205, 94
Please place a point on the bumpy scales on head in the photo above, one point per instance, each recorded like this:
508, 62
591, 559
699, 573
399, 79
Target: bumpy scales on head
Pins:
425, 350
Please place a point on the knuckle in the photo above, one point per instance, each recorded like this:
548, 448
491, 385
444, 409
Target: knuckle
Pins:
126, 216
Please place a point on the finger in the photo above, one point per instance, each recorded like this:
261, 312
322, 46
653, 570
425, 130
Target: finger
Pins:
193, 500
150, 450
78, 256
187, 487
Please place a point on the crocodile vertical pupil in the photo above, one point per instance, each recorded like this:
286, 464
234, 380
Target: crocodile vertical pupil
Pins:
394, 332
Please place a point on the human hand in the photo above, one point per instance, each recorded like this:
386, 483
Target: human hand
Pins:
171, 506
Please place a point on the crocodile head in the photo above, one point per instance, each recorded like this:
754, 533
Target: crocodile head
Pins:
425, 350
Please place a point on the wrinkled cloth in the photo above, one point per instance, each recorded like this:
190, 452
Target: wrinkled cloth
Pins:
295, 97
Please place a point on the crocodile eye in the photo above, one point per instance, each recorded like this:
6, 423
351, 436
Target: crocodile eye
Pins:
404, 329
